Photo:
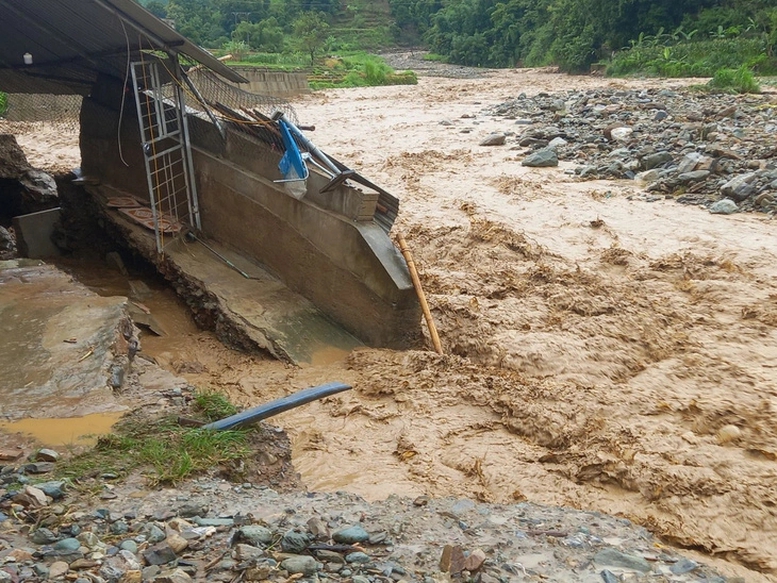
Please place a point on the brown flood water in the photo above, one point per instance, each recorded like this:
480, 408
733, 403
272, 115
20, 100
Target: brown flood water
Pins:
599, 345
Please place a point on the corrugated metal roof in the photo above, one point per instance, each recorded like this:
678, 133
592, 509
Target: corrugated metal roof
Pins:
71, 41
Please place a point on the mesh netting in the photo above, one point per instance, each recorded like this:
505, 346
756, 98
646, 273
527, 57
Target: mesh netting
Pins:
62, 110
238, 110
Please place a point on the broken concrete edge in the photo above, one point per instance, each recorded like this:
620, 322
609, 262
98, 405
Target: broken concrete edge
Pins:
75, 363
208, 312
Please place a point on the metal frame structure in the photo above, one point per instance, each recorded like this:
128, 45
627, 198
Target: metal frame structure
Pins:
164, 132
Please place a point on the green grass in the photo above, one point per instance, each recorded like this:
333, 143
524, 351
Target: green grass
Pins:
740, 80
358, 69
693, 59
167, 451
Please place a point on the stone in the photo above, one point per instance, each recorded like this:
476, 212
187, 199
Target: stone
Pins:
657, 159
318, 529
724, 206
10, 455
541, 159
153, 533
330, 556
351, 535
359, 579
300, 564
38, 468
43, 536
46, 455
609, 577
213, 521
177, 543
621, 134
740, 187
557, 142
496, 139
88, 539
130, 560
13, 162
648, 176
129, 545
693, 176
133, 576
54, 489
612, 557
177, 576
40, 188
256, 535
684, 566
159, 554
474, 560
244, 552
660, 115
357, 557
58, 569
258, 573
294, 542
67, 545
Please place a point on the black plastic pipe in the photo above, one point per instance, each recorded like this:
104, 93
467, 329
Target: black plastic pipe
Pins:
278, 406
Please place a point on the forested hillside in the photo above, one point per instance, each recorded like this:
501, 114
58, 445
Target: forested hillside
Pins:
574, 33
666, 37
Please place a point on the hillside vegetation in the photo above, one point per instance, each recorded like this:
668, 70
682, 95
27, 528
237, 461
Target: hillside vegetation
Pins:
658, 37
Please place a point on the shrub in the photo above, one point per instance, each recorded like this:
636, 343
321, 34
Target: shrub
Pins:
3, 103
739, 80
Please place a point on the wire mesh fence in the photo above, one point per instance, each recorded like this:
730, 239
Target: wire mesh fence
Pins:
62, 110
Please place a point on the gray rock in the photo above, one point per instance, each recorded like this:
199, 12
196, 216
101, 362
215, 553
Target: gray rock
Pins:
129, 545
740, 187
111, 572
614, 558
294, 542
557, 142
300, 564
541, 159
256, 535
153, 533
46, 455
67, 545
54, 489
693, 176
39, 186
43, 536
213, 521
724, 206
496, 139
357, 557
660, 115
351, 535
684, 566
245, 552
359, 579
38, 468
159, 554
609, 577
654, 160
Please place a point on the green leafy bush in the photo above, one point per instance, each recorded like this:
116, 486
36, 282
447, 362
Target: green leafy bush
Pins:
3, 103
739, 80
693, 59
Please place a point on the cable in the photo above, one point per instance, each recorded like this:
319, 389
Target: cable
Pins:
123, 94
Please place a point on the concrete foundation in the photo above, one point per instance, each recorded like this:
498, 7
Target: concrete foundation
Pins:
34, 232
325, 247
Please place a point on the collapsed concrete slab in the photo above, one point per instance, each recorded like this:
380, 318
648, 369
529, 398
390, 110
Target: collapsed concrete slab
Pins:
63, 349
330, 248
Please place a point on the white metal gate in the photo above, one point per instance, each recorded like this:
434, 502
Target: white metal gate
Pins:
167, 152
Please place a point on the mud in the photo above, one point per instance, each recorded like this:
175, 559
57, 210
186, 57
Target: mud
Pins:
598, 345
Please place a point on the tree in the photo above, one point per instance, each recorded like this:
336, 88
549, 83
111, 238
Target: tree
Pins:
311, 31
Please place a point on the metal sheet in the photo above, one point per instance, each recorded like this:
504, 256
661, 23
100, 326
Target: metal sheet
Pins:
72, 40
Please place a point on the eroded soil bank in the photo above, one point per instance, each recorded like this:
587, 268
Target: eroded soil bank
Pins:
599, 345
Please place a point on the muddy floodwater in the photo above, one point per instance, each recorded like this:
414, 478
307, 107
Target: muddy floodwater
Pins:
599, 348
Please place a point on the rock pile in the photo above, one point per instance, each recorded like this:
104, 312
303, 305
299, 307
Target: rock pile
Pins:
695, 147
212, 530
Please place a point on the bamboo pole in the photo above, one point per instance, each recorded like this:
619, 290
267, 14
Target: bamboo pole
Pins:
420, 292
